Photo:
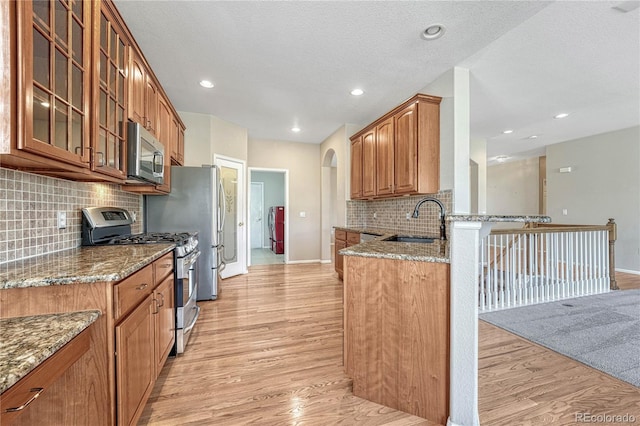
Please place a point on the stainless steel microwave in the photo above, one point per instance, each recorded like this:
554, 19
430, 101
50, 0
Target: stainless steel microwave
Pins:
145, 155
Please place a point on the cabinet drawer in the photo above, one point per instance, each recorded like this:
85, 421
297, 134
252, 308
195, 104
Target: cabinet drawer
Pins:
353, 238
163, 267
19, 396
129, 292
341, 235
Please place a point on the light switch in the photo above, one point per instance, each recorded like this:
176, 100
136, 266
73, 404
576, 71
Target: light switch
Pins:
564, 212
303, 214
62, 220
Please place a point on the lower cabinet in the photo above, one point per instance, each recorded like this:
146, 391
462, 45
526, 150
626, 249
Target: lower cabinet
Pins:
144, 337
396, 334
164, 322
135, 362
126, 347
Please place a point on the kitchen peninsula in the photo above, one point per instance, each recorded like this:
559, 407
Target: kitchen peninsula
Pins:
397, 319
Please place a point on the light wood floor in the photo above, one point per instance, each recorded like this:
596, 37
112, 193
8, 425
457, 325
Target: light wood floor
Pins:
269, 352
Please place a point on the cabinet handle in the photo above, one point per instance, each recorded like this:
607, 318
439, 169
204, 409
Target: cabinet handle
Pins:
78, 151
37, 391
161, 296
142, 286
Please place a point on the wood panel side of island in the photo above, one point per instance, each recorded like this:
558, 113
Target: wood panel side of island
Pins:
396, 337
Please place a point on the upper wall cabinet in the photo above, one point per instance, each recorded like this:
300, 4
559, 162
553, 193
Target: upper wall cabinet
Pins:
111, 47
51, 49
406, 144
72, 77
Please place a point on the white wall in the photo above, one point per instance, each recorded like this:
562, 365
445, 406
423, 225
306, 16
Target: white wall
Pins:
206, 135
604, 183
512, 188
302, 160
335, 184
478, 153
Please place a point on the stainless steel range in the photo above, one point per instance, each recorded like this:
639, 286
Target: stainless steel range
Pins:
112, 226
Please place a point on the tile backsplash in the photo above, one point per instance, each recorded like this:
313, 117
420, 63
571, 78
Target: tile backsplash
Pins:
391, 213
29, 205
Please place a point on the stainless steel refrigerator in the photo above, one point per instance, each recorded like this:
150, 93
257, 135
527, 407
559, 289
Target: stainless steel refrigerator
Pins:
196, 203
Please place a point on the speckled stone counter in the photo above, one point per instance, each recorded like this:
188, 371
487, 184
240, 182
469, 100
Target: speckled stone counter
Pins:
26, 342
438, 251
497, 218
80, 265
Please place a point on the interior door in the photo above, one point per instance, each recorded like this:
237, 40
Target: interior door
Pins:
257, 207
234, 235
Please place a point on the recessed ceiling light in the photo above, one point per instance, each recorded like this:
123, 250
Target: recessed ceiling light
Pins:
501, 158
506, 132
433, 32
357, 92
206, 84
295, 129
563, 115
533, 137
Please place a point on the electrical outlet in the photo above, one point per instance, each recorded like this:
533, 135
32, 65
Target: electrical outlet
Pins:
408, 216
375, 215
62, 220
564, 212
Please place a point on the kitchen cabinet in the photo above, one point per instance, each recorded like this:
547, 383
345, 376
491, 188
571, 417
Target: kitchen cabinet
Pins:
111, 47
135, 362
51, 52
407, 151
385, 155
21, 403
144, 337
356, 168
369, 164
396, 334
74, 76
177, 150
343, 239
143, 96
130, 342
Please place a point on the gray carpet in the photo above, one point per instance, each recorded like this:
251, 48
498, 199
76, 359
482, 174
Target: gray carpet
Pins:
602, 331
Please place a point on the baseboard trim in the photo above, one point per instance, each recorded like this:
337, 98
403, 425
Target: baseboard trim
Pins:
294, 262
326, 261
628, 271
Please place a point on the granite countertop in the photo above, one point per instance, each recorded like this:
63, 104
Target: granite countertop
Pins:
26, 342
80, 265
497, 218
438, 251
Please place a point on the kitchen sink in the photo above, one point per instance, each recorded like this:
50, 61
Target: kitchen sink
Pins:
407, 239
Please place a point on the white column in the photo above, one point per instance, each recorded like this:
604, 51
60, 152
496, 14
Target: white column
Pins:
465, 270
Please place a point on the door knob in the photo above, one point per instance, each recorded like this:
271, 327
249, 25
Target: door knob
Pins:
241, 224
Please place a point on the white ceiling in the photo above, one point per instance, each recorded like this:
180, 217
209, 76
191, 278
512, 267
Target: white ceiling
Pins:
276, 64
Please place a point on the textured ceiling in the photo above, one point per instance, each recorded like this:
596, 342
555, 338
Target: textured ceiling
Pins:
276, 64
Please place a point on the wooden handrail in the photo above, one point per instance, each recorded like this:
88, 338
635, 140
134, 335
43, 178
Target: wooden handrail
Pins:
544, 228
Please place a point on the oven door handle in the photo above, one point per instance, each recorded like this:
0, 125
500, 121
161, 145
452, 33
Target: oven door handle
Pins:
188, 328
191, 258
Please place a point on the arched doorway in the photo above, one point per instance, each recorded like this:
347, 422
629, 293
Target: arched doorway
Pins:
329, 176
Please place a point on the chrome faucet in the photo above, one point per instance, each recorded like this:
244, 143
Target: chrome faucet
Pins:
443, 230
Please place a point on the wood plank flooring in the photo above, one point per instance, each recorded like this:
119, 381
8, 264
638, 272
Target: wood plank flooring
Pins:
269, 352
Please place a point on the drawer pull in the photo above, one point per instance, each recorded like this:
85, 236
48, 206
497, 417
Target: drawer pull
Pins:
37, 391
142, 286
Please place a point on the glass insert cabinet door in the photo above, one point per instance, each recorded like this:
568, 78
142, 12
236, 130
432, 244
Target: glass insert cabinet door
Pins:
56, 76
232, 217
